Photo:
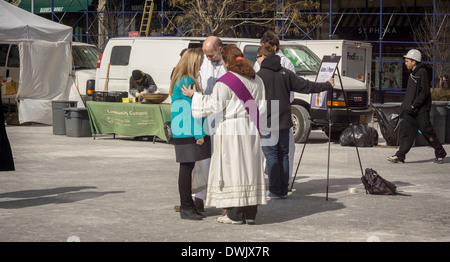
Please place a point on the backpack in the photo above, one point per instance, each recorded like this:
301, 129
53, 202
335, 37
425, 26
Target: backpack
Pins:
376, 185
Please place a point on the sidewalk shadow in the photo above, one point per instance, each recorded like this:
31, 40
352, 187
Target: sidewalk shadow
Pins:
305, 201
58, 195
42, 192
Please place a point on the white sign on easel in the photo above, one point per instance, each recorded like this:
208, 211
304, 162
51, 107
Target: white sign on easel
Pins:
326, 71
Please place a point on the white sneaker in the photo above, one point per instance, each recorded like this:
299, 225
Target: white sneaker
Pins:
250, 221
395, 159
226, 220
271, 196
439, 160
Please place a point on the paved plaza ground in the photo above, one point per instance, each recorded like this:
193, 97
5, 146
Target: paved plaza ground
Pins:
123, 189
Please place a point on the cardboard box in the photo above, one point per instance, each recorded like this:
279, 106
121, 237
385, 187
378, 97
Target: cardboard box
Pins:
9, 88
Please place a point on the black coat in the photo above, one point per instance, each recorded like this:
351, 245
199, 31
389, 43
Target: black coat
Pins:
417, 91
279, 82
6, 157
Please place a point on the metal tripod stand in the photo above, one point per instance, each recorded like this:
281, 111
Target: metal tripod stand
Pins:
329, 138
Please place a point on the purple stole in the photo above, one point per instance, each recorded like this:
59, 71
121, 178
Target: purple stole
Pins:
241, 91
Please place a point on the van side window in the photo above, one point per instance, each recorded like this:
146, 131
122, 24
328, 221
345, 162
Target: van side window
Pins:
120, 55
250, 52
3, 53
14, 58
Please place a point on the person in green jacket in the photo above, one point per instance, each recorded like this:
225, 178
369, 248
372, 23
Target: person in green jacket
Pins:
190, 141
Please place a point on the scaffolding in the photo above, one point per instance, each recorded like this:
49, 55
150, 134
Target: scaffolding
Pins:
376, 22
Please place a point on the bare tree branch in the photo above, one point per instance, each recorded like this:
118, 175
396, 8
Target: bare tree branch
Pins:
432, 34
228, 17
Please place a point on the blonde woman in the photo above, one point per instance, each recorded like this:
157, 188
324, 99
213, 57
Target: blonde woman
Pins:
191, 143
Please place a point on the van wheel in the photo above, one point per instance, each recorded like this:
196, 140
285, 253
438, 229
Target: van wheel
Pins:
301, 123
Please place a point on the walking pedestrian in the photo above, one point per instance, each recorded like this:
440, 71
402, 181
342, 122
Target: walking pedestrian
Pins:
415, 113
445, 84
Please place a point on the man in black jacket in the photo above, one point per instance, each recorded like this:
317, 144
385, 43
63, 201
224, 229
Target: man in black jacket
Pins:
141, 83
278, 84
416, 111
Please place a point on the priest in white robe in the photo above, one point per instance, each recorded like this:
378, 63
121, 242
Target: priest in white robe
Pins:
236, 175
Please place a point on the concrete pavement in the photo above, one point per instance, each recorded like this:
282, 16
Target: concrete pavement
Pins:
77, 188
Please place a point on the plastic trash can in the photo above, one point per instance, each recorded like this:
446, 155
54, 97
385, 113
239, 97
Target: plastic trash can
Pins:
59, 124
438, 119
77, 122
447, 126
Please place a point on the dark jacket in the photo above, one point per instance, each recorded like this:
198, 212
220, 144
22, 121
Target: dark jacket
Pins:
417, 91
6, 157
146, 84
279, 82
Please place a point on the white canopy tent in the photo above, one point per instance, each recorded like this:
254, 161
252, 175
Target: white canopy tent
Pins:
45, 62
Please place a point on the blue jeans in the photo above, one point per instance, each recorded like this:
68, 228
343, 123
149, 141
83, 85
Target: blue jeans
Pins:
277, 163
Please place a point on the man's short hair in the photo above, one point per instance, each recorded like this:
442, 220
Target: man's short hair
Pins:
266, 50
270, 38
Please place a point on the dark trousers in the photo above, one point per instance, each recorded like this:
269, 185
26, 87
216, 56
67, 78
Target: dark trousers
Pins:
242, 213
185, 185
277, 163
408, 132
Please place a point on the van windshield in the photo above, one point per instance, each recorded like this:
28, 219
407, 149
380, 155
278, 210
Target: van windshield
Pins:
85, 57
304, 60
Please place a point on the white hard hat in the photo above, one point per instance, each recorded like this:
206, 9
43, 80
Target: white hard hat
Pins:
414, 54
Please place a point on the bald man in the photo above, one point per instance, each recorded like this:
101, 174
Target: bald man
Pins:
211, 70
212, 67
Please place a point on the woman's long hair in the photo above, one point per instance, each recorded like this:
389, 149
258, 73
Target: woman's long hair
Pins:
234, 58
189, 66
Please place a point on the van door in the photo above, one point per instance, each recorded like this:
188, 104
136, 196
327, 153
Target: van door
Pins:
117, 56
356, 62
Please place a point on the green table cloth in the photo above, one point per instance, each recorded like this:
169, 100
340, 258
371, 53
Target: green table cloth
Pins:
128, 119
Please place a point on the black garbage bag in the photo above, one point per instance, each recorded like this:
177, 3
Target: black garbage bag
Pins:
365, 136
389, 121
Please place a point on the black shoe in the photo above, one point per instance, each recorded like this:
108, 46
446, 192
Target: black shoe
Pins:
203, 216
190, 214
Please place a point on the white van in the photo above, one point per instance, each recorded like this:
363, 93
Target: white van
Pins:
85, 57
157, 56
